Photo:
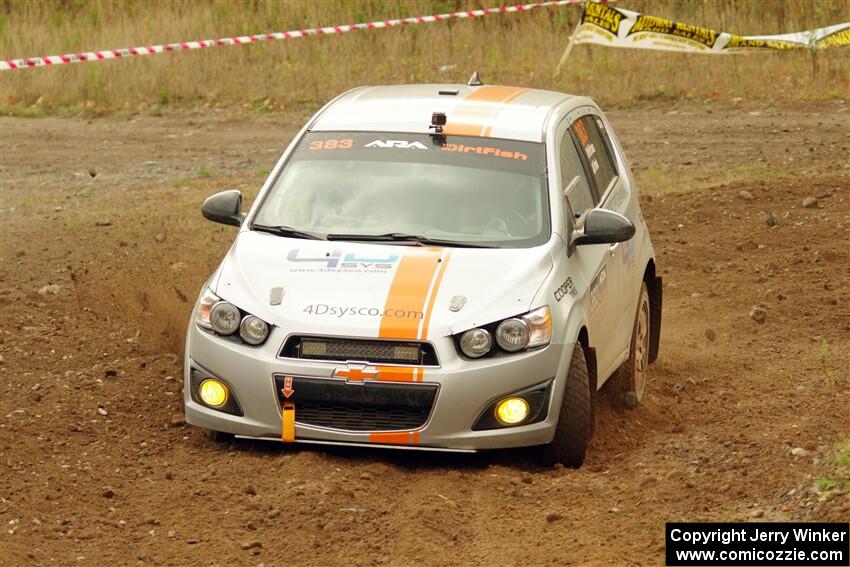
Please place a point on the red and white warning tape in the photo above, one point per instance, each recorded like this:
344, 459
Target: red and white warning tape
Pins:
151, 49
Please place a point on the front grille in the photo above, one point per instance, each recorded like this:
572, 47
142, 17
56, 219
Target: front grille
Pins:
361, 418
369, 406
366, 350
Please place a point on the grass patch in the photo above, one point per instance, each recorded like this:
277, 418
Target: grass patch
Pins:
302, 74
19, 111
838, 478
657, 181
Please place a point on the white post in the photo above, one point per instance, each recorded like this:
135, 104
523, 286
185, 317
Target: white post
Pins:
569, 47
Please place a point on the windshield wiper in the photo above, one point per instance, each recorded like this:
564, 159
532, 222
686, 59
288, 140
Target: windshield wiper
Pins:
401, 237
282, 230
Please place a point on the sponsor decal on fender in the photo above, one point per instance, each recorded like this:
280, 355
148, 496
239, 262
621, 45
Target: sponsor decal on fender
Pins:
628, 251
598, 289
565, 289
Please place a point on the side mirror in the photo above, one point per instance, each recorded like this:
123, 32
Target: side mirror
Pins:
224, 207
602, 226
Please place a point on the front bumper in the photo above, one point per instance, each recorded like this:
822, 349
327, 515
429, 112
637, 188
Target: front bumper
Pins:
464, 389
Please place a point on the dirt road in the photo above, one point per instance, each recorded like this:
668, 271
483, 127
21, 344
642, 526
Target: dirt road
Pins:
104, 250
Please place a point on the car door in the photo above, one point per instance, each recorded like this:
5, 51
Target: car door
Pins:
596, 265
621, 199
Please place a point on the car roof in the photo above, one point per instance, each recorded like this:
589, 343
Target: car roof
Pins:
496, 111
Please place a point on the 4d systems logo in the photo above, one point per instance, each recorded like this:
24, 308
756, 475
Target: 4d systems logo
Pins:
336, 260
401, 144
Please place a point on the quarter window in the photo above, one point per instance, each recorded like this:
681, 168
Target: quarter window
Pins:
579, 195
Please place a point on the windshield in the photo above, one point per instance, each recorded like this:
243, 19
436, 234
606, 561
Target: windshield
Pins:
454, 189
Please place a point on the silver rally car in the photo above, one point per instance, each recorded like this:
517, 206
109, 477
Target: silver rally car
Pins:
449, 267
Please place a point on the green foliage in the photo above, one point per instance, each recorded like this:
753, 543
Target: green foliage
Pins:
838, 462
94, 16
21, 111
94, 88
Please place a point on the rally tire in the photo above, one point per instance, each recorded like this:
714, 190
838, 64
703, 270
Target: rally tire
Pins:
628, 384
217, 436
575, 419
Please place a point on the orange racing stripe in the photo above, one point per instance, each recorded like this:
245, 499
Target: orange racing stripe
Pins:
442, 270
395, 438
397, 374
418, 273
476, 114
407, 293
379, 374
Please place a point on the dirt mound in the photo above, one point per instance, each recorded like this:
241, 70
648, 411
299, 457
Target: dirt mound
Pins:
745, 405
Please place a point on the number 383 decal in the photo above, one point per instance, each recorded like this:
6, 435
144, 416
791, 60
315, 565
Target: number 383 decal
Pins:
331, 144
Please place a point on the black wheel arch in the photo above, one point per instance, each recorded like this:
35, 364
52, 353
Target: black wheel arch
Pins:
653, 285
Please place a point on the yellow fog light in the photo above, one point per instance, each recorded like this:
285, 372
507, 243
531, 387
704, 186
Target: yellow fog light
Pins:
213, 392
511, 411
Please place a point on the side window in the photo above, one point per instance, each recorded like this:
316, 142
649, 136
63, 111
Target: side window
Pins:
595, 152
579, 195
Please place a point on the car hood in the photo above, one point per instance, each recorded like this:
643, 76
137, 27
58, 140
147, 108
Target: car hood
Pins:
378, 290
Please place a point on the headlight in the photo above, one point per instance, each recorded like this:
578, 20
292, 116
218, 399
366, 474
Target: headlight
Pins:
532, 330
539, 327
225, 318
475, 343
512, 334
253, 330
215, 314
208, 299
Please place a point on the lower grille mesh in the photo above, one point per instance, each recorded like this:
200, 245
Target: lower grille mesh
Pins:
360, 418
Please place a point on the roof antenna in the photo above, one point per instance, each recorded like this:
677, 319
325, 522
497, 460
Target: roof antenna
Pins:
474, 80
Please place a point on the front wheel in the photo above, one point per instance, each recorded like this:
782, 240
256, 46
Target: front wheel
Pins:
217, 436
575, 427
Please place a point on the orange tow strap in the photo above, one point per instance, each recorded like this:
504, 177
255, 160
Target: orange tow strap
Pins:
287, 413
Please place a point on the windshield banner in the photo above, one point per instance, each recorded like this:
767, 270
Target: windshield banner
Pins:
617, 27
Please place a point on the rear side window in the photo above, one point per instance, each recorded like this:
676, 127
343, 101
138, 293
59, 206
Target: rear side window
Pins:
595, 153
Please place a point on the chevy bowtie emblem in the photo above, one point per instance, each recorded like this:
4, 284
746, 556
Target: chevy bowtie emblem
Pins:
356, 373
